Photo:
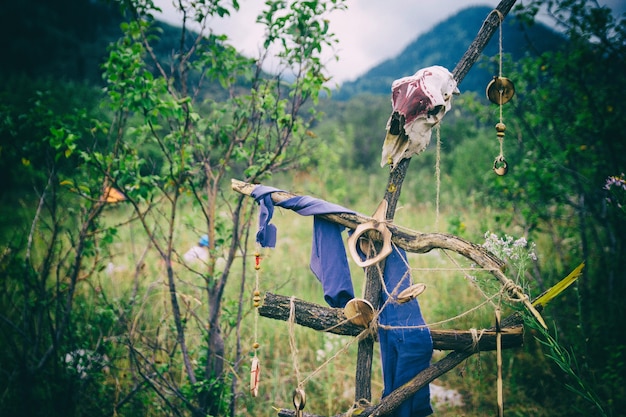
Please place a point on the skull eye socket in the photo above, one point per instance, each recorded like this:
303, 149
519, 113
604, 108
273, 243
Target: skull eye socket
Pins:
436, 110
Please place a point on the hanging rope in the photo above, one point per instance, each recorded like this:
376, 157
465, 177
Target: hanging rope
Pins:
292, 339
499, 91
255, 368
299, 395
500, 127
500, 394
438, 175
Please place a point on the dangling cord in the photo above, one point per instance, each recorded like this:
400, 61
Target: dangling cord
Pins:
292, 338
500, 165
255, 369
299, 396
438, 175
499, 364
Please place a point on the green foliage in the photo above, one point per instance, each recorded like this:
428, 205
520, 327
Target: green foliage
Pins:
256, 130
61, 40
567, 122
102, 315
37, 128
567, 362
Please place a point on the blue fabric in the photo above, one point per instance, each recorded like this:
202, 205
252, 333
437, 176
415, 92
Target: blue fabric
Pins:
329, 262
405, 352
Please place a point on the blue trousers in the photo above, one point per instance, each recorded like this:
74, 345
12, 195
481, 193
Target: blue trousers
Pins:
404, 351
407, 349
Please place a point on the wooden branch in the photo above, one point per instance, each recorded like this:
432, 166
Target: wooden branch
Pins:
489, 27
407, 239
311, 315
333, 320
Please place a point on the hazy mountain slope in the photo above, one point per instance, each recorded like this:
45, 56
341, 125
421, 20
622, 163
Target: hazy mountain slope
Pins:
445, 44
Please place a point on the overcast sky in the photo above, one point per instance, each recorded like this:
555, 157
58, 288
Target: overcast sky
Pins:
369, 31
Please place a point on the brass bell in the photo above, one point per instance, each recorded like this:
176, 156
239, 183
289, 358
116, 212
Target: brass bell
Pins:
299, 401
500, 90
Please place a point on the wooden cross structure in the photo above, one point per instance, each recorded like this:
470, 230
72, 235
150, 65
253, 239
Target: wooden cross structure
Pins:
461, 344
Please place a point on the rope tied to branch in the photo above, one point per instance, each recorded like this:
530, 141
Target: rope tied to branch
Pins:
476, 337
358, 407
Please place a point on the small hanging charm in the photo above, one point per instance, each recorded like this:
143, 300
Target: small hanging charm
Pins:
255, 368
299, 401
500, 90
255, 376
500, 166
411, 293
359, 311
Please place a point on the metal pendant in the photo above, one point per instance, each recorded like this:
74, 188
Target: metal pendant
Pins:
500, 90
299, 401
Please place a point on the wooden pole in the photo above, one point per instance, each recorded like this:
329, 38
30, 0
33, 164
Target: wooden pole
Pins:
394, 188
373, 274
333, 320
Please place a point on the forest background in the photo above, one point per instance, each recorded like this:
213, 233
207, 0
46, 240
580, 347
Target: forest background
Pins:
102, 315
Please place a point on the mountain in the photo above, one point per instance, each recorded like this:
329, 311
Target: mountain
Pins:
446, 43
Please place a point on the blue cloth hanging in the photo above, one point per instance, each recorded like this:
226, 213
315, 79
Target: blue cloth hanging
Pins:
405, 348
404, 351
328, 262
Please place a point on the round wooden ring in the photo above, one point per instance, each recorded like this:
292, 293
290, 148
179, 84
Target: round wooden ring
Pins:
359, 312
364, 228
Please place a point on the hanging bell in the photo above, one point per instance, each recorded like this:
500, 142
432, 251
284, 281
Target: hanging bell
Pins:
500, 90
299, 401
500, 166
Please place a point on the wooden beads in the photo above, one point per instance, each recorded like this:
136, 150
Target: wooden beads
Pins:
256, 298
500, 128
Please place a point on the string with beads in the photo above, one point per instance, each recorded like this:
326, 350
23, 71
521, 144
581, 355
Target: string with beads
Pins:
499, 91
438, 175
255, 369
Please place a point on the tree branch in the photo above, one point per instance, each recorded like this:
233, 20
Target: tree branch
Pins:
333, 320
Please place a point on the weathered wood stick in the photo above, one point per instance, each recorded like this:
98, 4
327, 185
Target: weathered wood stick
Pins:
407, 239
333, 320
